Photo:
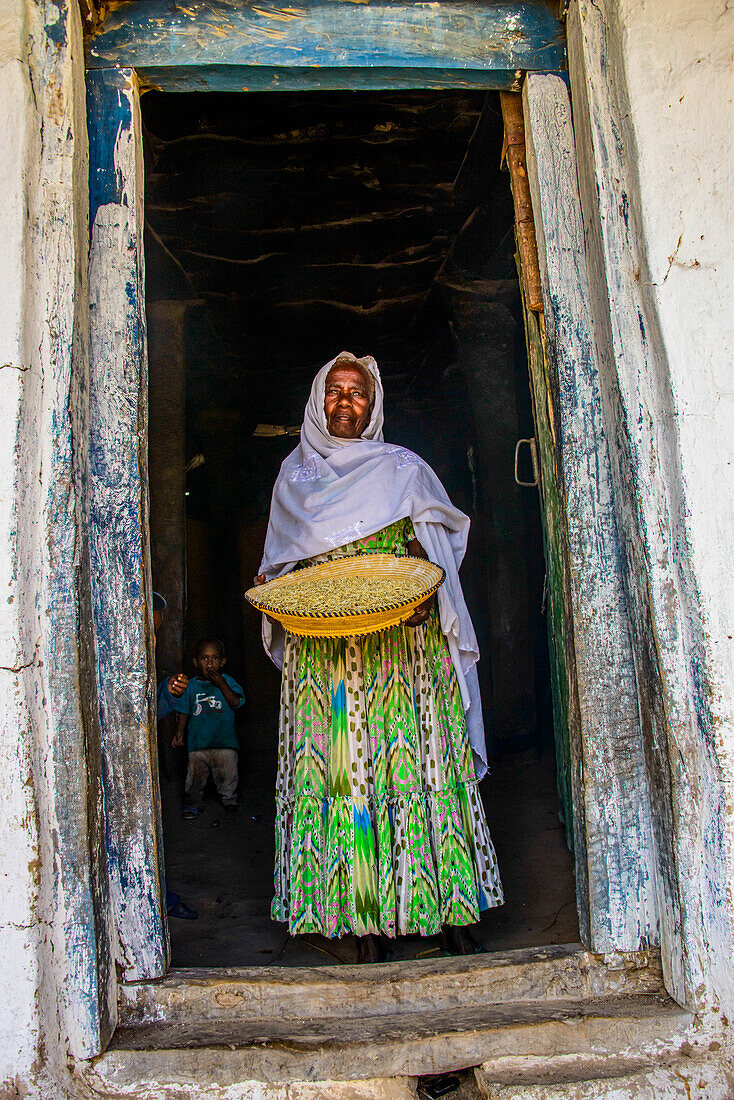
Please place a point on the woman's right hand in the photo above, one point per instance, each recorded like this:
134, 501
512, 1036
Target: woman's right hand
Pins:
262, 579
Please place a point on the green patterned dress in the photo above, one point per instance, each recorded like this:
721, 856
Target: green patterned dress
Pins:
379, 825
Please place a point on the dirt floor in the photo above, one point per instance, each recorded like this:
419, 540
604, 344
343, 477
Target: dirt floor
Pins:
222, 865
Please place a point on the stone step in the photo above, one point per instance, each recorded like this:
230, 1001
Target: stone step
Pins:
683, 1078
228, 1053
564, 972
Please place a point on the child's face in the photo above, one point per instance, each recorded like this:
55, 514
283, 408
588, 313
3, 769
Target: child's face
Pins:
209, 659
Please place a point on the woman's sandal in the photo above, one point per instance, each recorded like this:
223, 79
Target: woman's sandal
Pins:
371, 949
459, 941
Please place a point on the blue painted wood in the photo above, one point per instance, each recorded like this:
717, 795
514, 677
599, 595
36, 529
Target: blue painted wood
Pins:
473, 36
108, 112
281, 78
119, 538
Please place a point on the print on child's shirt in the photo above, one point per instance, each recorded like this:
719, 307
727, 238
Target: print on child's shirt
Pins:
211, 719
214, 704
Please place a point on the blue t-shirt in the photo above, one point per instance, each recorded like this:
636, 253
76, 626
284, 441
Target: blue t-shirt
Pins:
165, 702
211, 718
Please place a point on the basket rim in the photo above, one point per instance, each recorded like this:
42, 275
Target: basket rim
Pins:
267, 610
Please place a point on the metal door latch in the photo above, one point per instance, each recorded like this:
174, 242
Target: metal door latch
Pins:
533, 458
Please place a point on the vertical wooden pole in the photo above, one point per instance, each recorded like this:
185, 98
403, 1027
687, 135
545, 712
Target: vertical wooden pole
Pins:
610, 790
514, 147
166, 454
119, 521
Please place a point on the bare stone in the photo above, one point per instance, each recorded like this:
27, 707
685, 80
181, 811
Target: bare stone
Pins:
684, 1079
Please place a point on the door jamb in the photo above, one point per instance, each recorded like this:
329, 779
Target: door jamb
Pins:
118, 312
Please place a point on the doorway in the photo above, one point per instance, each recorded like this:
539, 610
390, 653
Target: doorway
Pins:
281, 229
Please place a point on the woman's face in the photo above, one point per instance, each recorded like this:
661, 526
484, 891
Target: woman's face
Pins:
347, 401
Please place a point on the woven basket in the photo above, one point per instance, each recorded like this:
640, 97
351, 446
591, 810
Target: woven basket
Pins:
360, 620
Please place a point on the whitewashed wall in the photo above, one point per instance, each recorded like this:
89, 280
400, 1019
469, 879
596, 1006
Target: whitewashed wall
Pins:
680, 70
55, 987
19, 676
652, 89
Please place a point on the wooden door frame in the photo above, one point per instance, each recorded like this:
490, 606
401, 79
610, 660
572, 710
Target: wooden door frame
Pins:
119, 527
613, 859
614, 849
385, 45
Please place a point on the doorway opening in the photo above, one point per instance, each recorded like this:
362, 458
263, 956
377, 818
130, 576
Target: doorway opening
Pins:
282, 229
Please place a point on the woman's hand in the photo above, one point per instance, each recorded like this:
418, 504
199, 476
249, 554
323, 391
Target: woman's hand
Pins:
262, 579
421, 613
423, 610
416, 550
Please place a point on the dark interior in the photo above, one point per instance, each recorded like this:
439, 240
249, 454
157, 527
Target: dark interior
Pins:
282, 229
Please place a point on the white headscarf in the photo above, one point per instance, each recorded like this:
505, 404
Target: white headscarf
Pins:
332, 491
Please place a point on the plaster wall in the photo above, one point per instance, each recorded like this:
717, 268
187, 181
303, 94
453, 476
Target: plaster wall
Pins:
55, 986
681, 97
19, 675
652, 89
681, 101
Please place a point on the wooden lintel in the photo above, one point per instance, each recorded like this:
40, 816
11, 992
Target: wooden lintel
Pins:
311, 36
514, 149
313, 78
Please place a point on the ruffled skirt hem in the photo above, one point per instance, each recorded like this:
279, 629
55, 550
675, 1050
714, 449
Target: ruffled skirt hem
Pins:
393, 864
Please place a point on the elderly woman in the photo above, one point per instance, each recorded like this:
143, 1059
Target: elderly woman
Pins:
380, 830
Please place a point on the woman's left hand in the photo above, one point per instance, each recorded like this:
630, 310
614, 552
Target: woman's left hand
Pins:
421, 613
423, 610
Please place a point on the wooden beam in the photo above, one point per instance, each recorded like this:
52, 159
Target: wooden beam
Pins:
166, 324
119, 539
610, 786
253, 78
225, 46
524, 226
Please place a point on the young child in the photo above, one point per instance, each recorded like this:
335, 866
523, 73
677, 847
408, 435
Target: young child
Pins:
207, 707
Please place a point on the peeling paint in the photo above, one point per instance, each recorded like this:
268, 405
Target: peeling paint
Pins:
213, 43
665, 341
54, 977
616, 845
119, 537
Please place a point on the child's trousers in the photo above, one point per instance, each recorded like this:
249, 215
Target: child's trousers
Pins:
222, 763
